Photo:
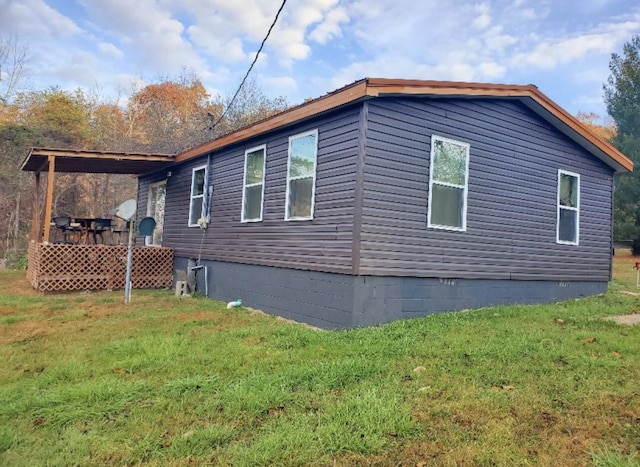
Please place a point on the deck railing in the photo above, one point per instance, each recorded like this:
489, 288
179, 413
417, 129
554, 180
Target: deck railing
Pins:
54, 267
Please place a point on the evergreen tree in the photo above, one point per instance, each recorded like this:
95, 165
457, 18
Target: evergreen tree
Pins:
622, 96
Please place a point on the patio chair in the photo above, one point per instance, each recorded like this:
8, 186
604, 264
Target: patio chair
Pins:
121, 232
100, 227
63, 224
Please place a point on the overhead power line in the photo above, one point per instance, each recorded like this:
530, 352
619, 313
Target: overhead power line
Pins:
255, 59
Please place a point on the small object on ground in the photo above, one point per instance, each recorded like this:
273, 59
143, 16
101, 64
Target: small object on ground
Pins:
419, 369
234, 304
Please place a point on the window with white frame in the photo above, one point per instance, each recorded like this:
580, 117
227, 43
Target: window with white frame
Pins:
253, 191
448, 182
301, 176
568, 228
196, 205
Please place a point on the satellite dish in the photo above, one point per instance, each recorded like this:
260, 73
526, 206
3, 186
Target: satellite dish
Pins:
126, 210
146, 226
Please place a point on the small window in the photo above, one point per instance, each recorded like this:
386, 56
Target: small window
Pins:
301, 176
196, 206
568, 228
448, 184
253, 192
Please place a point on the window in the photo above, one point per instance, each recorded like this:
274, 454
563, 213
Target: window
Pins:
253, 192
301, 176
448, 184
196, 206
568, 228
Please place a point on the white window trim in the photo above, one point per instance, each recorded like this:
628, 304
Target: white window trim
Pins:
244, 181
576, 209
192, 197
148, 238
465, 188
313, 186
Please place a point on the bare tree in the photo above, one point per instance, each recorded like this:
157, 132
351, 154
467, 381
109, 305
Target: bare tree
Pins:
13, 59
250, 106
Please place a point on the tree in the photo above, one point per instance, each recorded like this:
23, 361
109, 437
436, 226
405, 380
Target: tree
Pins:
622, 97
14, 187
61, 118
250, 106
171, 116
605, 128
165, 117
13, 58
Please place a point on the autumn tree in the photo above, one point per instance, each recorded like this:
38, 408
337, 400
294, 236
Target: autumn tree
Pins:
165, 117
622, 97
604, 127
171, 116
52, 118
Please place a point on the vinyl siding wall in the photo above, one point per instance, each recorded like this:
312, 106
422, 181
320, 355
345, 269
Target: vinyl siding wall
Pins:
324, 243
512, 195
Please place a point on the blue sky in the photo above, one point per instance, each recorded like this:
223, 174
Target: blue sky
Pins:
111, 46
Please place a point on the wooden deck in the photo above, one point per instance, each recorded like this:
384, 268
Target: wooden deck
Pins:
56, 267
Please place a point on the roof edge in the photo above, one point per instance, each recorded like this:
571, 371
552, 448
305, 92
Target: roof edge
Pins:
330, 101
379, 87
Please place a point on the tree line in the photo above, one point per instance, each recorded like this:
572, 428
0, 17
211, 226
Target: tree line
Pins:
167, 116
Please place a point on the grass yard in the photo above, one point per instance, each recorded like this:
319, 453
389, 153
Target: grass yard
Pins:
86, 380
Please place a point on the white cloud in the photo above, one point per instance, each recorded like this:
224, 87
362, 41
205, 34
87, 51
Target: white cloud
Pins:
483, 20
549, 54
231, 31
491, 70
331, 26
279, 85
110, 50
318, 45
150, 33
226, 50
35, 17
494, 40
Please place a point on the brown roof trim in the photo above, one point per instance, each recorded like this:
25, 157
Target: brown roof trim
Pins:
94, 161
378, 87
342, 96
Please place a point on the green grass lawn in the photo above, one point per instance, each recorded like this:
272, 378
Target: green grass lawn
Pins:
86, 380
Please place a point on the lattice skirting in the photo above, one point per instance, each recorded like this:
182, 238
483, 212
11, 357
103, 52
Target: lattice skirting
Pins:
55, 267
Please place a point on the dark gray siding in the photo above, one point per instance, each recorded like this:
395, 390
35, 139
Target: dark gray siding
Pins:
321, 299
335, 301
384, 299
324, 243
511, 216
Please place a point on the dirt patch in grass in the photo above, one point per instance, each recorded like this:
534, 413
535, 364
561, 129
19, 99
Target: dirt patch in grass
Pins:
197, 316
25, 331
629, 320
7, 311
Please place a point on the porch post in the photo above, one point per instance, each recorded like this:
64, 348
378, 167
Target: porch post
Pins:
36, 230
47, 207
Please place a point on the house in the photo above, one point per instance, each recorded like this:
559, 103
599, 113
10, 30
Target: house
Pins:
390, 199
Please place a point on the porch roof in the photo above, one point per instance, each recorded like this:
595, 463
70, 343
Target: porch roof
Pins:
87, 161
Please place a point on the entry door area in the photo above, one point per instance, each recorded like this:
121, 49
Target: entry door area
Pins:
155, 209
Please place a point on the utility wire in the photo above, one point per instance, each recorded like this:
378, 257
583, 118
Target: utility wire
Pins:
255, 59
